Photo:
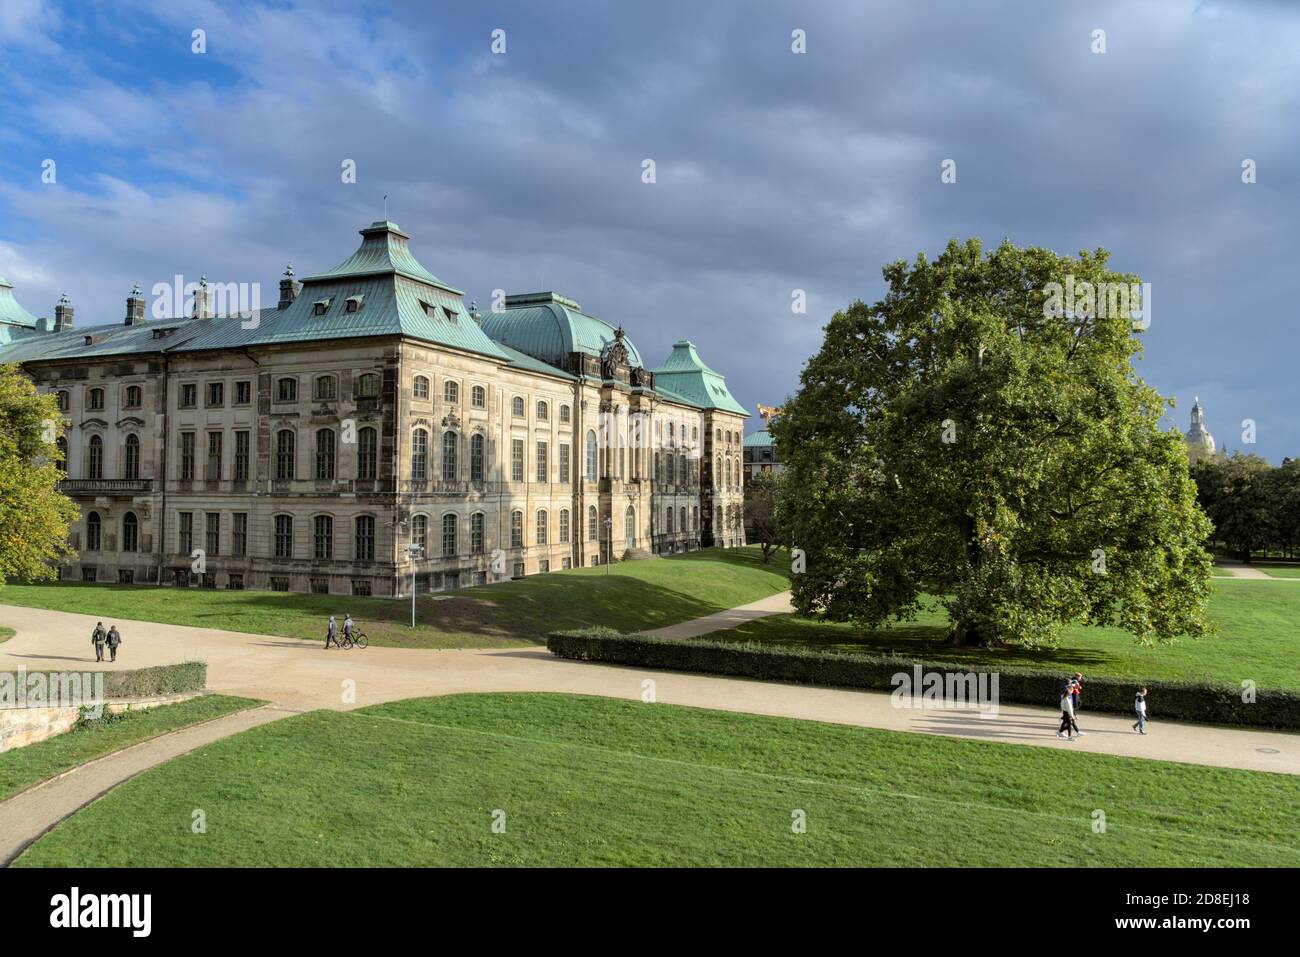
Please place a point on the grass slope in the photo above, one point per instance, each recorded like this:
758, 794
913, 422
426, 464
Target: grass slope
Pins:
592, 781
6, 633
632, 596
1258, 640
22, 768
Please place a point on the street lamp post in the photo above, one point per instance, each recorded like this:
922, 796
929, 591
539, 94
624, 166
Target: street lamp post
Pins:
414, 551
609, 542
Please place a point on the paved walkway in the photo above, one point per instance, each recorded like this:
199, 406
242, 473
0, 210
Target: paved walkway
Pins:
732, 618
299, 676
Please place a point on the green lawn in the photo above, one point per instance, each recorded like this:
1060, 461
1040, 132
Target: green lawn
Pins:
23, 767
1280, 571
1259, 639
6, 633
593, 782
633, 595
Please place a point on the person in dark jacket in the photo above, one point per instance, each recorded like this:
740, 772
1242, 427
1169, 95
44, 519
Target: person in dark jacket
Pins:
332, 634
114, 639
97, 638
1076, 689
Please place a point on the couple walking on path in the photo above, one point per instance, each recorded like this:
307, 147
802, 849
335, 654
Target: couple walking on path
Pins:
351, 633
1072, 690
99, 638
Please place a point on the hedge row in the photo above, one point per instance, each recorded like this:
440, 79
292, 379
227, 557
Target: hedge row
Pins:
1203, 702
147, 682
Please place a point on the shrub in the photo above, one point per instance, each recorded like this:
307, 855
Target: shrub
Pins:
1204, 702
148, 682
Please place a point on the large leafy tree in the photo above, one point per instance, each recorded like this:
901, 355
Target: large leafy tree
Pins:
1245, 499
760, 511
963, 438
34, 515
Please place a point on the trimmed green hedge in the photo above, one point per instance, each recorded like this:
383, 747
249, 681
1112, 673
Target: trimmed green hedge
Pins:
146, 682
1169, 700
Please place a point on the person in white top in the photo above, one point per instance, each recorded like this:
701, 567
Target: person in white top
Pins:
1067, 714
1140, 706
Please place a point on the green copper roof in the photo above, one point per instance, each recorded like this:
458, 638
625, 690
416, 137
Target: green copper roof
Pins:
11, 313
383, 251
761, 439
524, 361
548, 327
685, 376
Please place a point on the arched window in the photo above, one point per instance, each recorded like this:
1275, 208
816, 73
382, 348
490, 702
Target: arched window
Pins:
564, 526
95, 399
284, 456
61, 445
365, 538
718, 528
668, 520
727, 472
564, 413
449, 535
284, 536
286, 390
131, 460
629, 526
681, 519
542, 410
593, 524
516, 529
421, 388
133, 395
367, 453
449, 443
327, 388
681, 470
420, 533
478, 397
419, 455
476, 457
368, 386
323, 537
542, 526
130, 533
717, 473
591, 456
95, 460
451, 391
93, 532
517, 405
476, 533
325, 454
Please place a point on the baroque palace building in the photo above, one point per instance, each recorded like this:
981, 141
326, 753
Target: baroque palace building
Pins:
372, 427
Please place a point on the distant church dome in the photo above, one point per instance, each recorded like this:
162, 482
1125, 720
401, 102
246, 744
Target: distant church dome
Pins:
1200, 443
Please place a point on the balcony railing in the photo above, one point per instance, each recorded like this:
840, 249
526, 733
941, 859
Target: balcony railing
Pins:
105, 486
451, 488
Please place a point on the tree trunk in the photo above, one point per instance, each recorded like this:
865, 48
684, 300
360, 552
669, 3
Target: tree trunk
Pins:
966, 634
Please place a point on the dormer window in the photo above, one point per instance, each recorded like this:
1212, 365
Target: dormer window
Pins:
451, 315
321, 306
354, 303
163, 333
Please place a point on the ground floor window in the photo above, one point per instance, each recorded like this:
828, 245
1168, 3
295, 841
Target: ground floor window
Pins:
566, 563
125, 576
595, 560
209, 580
279, 584
88, 573
544, 565
519, 569
361, 586
320, 586
236, 583
451, 581
181, 577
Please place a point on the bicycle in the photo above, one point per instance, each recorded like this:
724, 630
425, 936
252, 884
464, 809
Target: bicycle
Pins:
359, 639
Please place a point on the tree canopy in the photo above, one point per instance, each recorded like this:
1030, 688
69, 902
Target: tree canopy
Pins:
34, 515
962, 438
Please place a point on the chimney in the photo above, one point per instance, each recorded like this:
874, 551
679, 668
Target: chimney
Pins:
202, 300
135, 307
289, 289
63, 314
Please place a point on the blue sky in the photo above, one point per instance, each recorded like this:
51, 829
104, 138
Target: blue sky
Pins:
775, 171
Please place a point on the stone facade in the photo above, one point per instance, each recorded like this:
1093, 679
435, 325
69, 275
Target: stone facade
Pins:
308, 449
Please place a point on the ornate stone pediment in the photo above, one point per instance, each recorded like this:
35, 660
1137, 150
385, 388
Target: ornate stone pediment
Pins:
130, 422
94, 424
451, 420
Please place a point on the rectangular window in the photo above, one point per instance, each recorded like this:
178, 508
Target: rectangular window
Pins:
88, 573
213, 473
185, 533
189, 395
239, 534
125, 576
564, 463
187, 456
543, 473
323, 538
235, 583
517, 460
320, 586
361, 587
243, 396
284, 536
519, 569
476, 533
287, 390
566, 563
241, 456
216, 395
365, 538
544, 565
279, 584
367, 454
212, 532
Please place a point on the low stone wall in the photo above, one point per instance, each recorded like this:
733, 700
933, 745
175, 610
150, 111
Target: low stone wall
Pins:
20, 727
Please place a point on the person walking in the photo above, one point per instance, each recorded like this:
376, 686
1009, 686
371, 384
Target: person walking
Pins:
114, 639
1076, 689
97, 638
1067, 714
1140, 707
332, 634
349, 628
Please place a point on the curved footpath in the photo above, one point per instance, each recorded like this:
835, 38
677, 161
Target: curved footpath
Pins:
297, 676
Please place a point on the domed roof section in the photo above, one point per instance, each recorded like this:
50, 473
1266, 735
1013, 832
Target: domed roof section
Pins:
548, 326
685, 376
1200, 443
11, 312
